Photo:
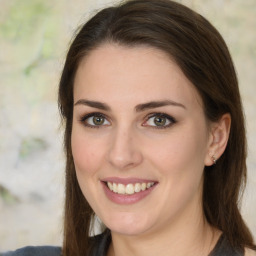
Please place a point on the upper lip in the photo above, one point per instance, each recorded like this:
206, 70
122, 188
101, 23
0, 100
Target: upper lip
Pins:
126, 181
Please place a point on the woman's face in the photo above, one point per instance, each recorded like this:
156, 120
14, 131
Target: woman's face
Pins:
138, 129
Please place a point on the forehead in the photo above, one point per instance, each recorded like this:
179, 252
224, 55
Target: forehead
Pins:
122, 74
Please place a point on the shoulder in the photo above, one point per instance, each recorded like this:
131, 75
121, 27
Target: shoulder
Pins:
35, 251
249, 252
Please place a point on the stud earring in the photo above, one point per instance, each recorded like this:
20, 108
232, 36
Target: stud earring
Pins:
214, 160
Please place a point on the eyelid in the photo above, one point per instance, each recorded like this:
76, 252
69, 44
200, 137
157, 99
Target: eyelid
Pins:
160, 114
87, 116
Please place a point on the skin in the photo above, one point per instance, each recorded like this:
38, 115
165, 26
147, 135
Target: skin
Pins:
129, 144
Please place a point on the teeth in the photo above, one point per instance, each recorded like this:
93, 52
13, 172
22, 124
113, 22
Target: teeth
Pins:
110, 186
149, 185
121, 189
137, 187
114, 187
129, 189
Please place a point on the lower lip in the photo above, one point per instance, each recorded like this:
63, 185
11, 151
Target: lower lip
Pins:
126, 199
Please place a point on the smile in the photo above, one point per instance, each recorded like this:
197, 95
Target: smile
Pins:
126, 191
130, 188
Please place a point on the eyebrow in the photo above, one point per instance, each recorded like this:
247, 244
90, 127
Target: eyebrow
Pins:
157, 104
93, 104
138, 108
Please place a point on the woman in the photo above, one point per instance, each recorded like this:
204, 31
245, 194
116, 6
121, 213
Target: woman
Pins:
154, 136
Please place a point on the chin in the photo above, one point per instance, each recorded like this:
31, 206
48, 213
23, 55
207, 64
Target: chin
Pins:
128, 230
128, 224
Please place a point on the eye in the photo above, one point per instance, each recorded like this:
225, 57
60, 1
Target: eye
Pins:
159, 120
95, 120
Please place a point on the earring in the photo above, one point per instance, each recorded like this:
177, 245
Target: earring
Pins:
214, 160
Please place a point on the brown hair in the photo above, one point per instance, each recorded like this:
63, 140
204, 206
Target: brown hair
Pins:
201, 53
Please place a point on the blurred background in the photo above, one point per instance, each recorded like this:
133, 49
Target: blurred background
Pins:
34, 38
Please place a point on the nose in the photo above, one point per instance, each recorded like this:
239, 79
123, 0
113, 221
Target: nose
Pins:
124, 151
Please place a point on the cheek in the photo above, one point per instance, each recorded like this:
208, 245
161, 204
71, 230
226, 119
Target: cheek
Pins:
180, 164
87, 158
87, 154
181, 153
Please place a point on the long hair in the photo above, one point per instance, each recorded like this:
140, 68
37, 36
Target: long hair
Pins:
201, 53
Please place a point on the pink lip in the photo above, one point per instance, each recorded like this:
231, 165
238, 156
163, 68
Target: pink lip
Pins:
126, 199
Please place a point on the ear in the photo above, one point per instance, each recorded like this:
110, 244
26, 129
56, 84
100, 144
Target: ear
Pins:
218, 139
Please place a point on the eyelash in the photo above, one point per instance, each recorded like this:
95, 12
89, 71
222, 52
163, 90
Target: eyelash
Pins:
161, 115
156, 114
87, 116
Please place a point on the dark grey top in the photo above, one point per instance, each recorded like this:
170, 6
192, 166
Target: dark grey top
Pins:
223, 248
35, 251
101, 243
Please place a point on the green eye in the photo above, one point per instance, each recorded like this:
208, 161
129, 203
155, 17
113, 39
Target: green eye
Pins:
160, 121
95, 120
98, 120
